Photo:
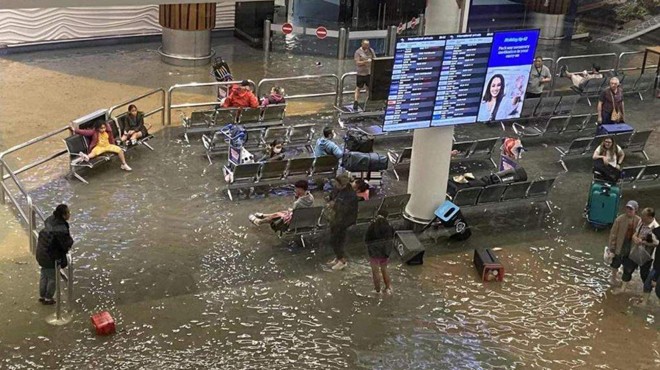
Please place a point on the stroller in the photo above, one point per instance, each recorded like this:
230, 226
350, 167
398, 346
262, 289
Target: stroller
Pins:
221, 73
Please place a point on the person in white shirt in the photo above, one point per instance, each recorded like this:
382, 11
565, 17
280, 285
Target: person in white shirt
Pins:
607, 159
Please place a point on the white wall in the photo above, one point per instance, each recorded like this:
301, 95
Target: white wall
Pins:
49, 24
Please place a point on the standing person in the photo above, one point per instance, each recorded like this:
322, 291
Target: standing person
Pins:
325, 145
539, 77
344, 206
132, 125
610, 104
379, 239
652, 279
53, 244
241, 96
643, 237
363, 56
101, 141
620, 242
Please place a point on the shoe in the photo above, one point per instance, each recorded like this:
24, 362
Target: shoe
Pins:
84, 156
126, 167
254, 219
563, 70
333, 262
388, 291
133, 142
356, 106
48, 302
339, 266
42, 299
259, 215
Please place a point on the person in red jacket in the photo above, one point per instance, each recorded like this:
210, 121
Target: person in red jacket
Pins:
101, 141
241, 96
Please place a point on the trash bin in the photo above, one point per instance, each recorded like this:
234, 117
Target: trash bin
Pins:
450, 216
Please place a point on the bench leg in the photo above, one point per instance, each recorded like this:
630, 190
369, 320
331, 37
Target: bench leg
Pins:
493, 162
76, 175
147, 145
561, 161
396, 174
209, 158
588, 101
185, 136
229, 193
547, 203
645, 155
302, 241
641, 97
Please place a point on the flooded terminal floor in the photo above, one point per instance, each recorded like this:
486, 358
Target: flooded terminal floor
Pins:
193, 285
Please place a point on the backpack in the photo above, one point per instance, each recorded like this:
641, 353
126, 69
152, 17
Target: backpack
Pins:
236, 135
358, 141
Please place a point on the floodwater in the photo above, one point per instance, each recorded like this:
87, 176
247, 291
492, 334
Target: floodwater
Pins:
192, 284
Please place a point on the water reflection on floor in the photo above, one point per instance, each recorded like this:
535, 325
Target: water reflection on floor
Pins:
193, 285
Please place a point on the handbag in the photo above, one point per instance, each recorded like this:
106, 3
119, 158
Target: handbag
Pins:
616, 115
639, 255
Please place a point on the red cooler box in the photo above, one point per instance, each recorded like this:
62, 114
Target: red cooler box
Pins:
103, 323
488, 266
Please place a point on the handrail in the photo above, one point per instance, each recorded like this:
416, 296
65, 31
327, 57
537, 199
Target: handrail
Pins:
58, 318
195, 85
340, 89
303, 77
108, 113
625, 53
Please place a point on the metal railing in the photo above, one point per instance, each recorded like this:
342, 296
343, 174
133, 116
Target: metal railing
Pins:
332, 77
108, 114
32, 213
193, 85
61, 318
626, 54
342, 84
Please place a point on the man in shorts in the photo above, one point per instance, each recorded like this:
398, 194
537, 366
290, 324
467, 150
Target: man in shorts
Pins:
363, 56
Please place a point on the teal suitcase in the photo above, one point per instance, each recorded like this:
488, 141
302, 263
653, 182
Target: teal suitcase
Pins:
603, 204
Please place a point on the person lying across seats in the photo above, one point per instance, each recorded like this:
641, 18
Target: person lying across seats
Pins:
101, 141
280, 220
241, 96
579, 78
607, 160
276, 97
274, 151
132, 126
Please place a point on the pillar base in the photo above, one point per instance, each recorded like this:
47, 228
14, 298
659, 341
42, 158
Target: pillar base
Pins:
186, 48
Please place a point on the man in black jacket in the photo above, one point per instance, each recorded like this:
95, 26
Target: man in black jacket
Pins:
52, 247
344, 204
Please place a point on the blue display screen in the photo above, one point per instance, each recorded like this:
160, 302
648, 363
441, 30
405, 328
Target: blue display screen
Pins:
455, 79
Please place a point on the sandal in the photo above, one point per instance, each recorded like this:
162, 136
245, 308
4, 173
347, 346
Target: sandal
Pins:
259, 215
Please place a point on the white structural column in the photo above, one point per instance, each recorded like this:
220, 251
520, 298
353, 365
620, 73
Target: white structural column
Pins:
429, 168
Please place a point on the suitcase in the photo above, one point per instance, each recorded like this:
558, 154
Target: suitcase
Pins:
488, 266
103, 323
603, 204
357, 141
364, 162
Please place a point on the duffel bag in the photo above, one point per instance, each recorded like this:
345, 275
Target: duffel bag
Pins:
364, 162
357, 141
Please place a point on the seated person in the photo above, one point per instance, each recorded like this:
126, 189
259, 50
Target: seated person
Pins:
276, 96
304, 199
132, 125
607, 159
101, 141
325, 145
361, 189
241, 96
274, 151
579, 78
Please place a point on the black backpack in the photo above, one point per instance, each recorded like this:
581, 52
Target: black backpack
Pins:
358, 141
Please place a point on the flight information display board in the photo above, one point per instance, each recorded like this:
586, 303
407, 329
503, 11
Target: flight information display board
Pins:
456, 79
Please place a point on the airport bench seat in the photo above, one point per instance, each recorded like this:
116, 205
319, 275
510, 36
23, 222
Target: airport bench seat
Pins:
635, 176
76, 144
533, 191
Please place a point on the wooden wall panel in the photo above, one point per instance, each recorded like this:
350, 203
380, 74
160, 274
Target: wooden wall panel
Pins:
190, 17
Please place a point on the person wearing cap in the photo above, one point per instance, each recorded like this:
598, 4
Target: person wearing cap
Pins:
580, 78
241, 96
343, 208
620, 242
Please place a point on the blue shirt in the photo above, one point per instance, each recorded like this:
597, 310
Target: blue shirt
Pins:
326, 146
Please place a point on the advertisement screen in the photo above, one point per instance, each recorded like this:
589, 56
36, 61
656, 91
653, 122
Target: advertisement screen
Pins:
457, 79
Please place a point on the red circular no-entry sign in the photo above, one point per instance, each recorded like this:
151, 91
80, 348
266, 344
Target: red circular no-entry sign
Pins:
321, 32
287, 28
